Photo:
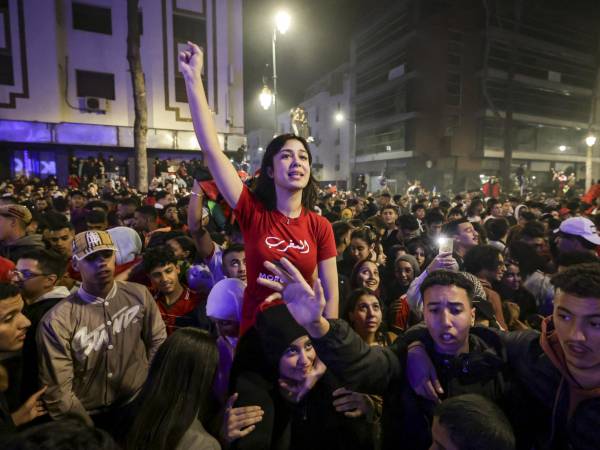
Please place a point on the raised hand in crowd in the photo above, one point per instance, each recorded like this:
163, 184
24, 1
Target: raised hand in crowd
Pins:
306, 304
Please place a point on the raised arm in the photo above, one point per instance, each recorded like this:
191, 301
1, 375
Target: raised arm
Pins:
202, 239
223, 172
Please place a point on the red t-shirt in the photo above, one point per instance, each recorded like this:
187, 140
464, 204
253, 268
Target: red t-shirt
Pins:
174, 315
269, 235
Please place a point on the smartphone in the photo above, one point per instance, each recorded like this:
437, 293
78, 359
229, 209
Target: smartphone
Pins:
446, 245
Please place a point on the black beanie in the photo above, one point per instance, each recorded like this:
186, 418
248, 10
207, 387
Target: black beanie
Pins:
277, 330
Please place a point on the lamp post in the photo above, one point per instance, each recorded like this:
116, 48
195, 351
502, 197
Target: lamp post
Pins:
282, 24
590, 141
340, 118
265, 97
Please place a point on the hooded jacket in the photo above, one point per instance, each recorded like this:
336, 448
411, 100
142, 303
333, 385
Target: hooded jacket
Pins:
561, 414
14, 250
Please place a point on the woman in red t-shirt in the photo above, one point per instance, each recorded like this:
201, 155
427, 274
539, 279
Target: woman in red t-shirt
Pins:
277, 219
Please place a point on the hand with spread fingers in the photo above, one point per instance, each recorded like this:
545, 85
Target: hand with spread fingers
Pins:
352, 404
239, 422
294, 391
306, 304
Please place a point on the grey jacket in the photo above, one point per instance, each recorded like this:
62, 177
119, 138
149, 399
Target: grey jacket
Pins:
16, 249
95, 352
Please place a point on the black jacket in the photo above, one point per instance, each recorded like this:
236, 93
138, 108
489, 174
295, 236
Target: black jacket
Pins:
311, 424
406, 417
547, 403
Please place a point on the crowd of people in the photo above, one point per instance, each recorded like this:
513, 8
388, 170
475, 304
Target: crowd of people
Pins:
269, 314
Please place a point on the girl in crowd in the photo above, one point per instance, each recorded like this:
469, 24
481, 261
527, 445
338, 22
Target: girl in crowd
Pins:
296, 402
277, 219
363, 245
175, 395
365, 315
418, 249
406, 269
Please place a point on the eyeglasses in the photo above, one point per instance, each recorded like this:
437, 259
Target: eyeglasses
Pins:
26, 274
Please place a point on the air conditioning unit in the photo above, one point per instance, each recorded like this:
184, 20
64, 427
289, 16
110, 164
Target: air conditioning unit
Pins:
93, 105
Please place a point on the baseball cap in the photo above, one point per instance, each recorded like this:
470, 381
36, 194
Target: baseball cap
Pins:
580, 226
88, 242
18, 211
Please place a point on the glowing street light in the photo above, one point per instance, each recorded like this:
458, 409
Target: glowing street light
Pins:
265, 97
562, 148
339, 117
283, 21
590, 141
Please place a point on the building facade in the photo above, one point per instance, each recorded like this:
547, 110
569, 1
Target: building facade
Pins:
331, 128
65, 87
433, 81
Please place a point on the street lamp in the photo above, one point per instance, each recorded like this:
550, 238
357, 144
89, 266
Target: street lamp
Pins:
339, 117
265, 97
562, 148
282, 24
590, 141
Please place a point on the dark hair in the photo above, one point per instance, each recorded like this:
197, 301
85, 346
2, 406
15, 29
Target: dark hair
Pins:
456, 210
50, 262
176, 391
159, 195
482, 257
496, 228
70, 433
97, 204
528, 258
473, 422
366, 234
158, 256
448, 278
55, 221
354, 281
526, 215
572, 258
417, 206
389, 206
451, 228
233, 247
582, 280
353, 298
265, 186
408, 222
148, 211
186, 243
340, 228
533, 229
8, 290
434, 216
95, 216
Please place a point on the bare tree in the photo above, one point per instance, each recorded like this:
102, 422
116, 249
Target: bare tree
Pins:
140, 124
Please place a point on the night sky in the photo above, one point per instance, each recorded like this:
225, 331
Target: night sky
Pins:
317, 42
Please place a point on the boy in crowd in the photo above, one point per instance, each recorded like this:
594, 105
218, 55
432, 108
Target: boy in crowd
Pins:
36, 275
95, 346
179, 306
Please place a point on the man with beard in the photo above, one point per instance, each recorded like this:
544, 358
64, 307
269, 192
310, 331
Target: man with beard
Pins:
95, 346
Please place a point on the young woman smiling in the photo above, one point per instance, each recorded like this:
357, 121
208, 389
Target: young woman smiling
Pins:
277, 219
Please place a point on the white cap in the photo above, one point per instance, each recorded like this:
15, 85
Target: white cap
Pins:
580, 226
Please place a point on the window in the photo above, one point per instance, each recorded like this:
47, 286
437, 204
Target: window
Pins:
337, 136
6, 63
187, 28
95, 84
337, 162
92, 18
